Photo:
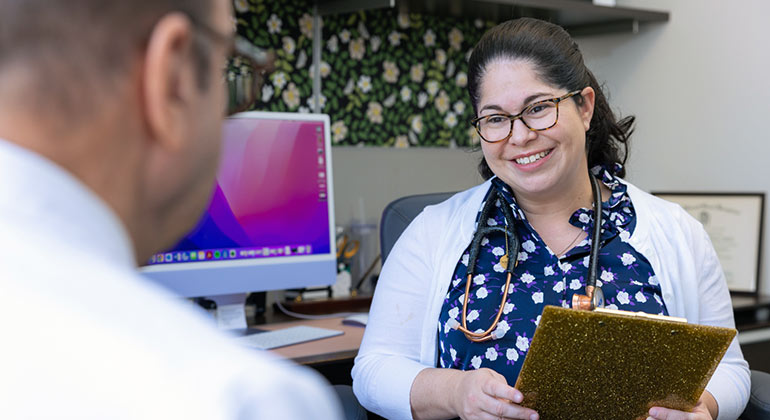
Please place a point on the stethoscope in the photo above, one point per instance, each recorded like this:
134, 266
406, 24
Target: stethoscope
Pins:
594, 297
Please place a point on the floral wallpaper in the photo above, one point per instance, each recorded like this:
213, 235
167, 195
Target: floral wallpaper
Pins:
387, 79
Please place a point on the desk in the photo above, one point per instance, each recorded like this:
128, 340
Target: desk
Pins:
341, 348
752, 319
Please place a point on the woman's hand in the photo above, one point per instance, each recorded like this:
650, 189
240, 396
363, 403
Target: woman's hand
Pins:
485, 394
706, 409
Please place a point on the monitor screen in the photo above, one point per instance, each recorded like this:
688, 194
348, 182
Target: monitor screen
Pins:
270, 222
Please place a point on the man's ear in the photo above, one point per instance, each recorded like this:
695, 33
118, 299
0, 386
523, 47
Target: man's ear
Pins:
169, 82
586, 108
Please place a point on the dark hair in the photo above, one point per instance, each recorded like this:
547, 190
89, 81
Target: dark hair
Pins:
558, 61
72, 49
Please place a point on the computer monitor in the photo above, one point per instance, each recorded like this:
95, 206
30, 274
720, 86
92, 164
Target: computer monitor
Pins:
270, 222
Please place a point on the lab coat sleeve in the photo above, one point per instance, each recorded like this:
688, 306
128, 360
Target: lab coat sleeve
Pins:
730, 383
389, 358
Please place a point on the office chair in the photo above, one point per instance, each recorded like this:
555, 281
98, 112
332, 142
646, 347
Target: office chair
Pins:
399, 213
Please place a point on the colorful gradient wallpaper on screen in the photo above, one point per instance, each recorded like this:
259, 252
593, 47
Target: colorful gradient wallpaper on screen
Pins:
270, 196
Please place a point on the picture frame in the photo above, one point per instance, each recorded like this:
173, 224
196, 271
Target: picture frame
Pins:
734, 221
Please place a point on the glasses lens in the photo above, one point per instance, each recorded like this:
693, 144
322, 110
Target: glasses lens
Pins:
494, 127
540, 115
243, 84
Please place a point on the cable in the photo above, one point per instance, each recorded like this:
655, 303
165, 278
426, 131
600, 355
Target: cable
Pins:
306, 316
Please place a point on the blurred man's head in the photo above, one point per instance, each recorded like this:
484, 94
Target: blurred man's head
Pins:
126, 95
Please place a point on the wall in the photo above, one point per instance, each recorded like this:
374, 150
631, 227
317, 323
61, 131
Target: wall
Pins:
699, 87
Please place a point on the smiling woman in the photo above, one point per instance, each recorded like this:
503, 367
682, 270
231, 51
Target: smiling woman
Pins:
466, 304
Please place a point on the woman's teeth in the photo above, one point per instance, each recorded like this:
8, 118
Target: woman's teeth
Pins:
532, 158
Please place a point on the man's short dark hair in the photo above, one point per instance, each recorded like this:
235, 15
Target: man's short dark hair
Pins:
69, 47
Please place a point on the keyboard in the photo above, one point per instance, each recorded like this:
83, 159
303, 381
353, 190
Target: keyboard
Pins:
286, 337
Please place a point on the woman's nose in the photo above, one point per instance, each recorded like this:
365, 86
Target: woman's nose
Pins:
520, 133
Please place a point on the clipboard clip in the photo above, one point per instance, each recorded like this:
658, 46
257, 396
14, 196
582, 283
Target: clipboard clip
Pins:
594, 298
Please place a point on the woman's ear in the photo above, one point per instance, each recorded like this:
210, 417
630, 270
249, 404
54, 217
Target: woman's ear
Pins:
586, 108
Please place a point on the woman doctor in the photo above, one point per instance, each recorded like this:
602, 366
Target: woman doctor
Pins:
455, 309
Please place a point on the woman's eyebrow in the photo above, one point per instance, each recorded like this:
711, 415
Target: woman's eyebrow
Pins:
526, 101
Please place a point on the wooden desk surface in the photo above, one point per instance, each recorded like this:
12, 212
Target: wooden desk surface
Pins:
325, 350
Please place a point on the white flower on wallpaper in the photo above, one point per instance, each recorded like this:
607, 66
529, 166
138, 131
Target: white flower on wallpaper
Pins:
442, 102
306, 25
362, 30
416, 73
456, 39
416, 124
403, 20
432, 87
374, 112
339, 131
390, 100
289, 45
461, 79
374, 43
267, 92
241, 6
301, 60
345, 36
365, 83
459, 107
441, 57
325, 69
321, 101
274, 24
394, 38
429, 38
406, 94
390, 71
357, 49
279, 80
291, 96
401, 142
333, 44
450, 120
422, 99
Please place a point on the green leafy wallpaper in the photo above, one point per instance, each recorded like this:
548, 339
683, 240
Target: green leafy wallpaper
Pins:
387, 79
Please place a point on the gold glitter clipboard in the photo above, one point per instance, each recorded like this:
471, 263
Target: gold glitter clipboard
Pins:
606, 364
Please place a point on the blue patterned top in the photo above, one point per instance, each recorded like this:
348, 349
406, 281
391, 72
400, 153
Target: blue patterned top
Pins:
541, 278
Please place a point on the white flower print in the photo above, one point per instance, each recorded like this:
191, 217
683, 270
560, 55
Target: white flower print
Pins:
362, 30
465, 259
451, 324
565, 267
267, 92
375, 43
476, 362
491, 354
528, 246
537, 320
450, 120
512, 354
623, 298
394, 38
390, 71
374, 113
453, 354
548, 270
459, 107
498, 251
653, 281
627, 259
357, 49
403, 20
365, 83
482, 292
339, 131
332, 44
585, 261
473, 315
607, 276
422, 99
456, 281
274, 24
584, 218
454, 312
498, 268
508, 308
291, 96
429, 38
461, 79
442, 102
345, 36
491, 222
416, 73
406, 94
522, 343
417, 124
523, 256
502, 329
461, 298
241, 6
624, 235
537, 297
479, 279
484, 241
558, 287
432, 86
527, 278
640, 297
303, 110
657, 299
306, 25
279, 79
455, 39
575, 284
612, 306
441, 56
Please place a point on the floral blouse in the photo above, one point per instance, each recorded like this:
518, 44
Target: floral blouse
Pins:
541, 278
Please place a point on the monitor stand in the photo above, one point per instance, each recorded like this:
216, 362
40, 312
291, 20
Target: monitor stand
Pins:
230, 314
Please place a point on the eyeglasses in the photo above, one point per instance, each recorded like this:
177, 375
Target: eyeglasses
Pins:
244, 71
538, 116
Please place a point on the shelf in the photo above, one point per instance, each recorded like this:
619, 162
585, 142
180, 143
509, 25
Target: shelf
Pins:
578, 17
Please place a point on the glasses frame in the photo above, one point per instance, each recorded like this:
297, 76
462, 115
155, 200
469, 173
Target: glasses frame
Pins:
258, 59
476, 121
